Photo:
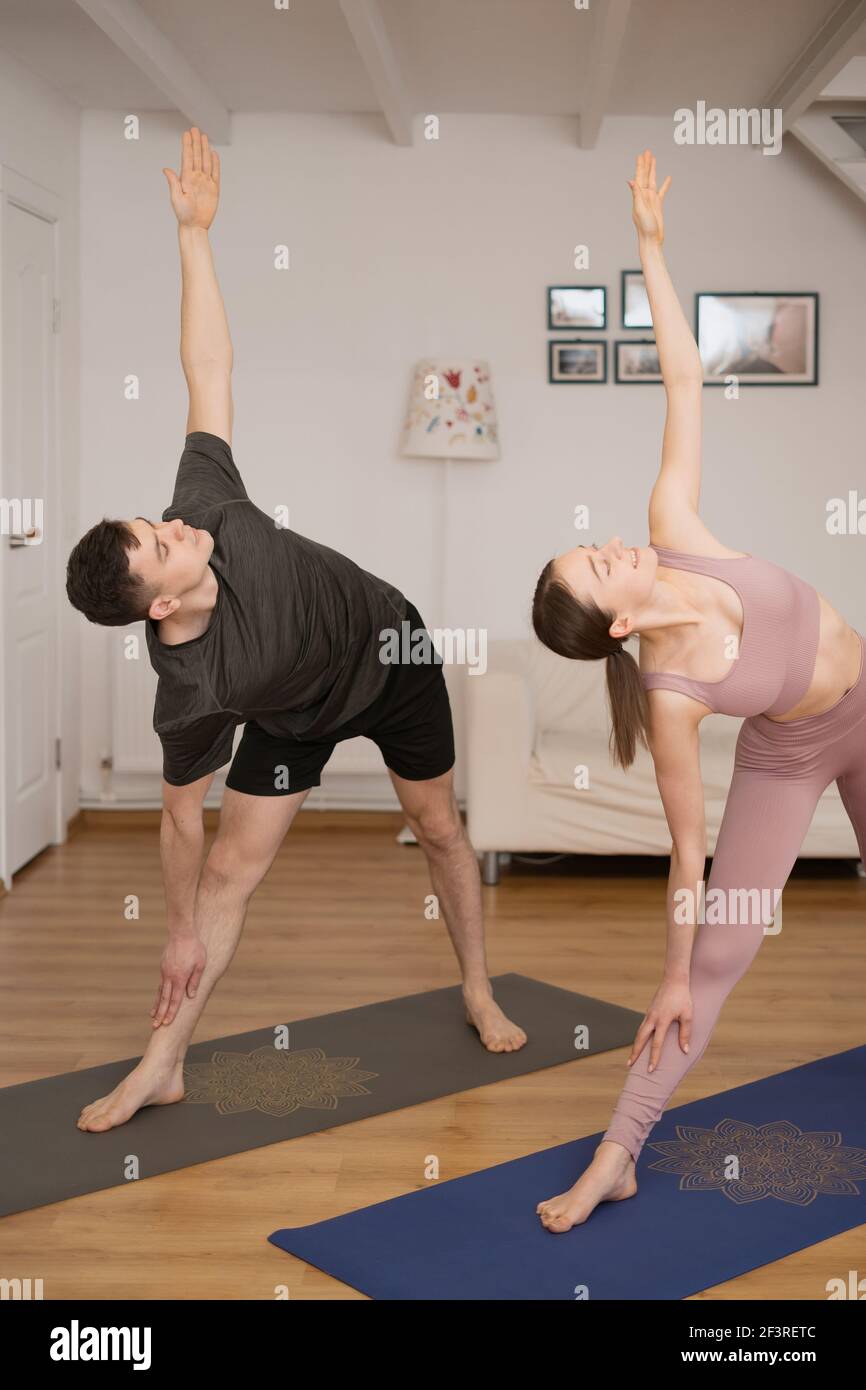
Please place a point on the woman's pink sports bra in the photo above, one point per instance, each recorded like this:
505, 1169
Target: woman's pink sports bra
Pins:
778, 645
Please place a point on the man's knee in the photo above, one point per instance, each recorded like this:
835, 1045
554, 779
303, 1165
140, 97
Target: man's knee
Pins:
232, 866
438, 829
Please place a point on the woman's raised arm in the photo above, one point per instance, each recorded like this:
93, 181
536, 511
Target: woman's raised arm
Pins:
674, 500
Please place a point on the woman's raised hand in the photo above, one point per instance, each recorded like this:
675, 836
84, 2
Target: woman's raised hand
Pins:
647, 199
195, 194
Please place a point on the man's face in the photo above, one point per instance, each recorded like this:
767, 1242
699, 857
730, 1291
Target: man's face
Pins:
172, 558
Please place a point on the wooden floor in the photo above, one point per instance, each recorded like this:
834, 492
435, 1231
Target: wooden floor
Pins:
340, 922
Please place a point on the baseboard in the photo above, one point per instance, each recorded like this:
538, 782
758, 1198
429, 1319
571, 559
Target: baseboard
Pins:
123, 818
340, 791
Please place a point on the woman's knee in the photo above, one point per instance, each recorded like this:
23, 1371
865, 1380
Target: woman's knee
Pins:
723, 953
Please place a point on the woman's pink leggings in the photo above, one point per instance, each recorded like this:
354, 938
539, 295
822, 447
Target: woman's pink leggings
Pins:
780, 771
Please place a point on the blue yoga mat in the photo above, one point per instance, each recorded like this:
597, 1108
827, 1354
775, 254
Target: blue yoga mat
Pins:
800, 1141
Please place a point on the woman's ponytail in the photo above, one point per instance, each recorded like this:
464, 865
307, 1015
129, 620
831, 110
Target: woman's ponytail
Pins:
629, 711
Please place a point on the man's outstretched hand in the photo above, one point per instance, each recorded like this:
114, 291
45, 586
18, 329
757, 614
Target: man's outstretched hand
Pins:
195, 195
183, 963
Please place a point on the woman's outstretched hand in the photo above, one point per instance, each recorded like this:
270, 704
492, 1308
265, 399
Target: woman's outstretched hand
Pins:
672, 1003
647, 199
195, 194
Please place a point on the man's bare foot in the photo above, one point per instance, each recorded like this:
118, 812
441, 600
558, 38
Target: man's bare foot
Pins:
150, 1083
497, 1032
609, 1178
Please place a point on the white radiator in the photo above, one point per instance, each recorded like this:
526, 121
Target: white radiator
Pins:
135, 746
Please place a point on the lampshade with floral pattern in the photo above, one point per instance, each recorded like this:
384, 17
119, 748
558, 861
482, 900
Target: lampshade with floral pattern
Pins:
451, 411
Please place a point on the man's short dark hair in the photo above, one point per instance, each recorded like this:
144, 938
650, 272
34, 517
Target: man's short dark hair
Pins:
99, 582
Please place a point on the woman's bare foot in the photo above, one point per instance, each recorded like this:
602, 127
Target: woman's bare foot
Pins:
150, 1083
497, 1032
609, 1178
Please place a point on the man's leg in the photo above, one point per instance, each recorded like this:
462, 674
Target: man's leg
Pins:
434, 818
251, 830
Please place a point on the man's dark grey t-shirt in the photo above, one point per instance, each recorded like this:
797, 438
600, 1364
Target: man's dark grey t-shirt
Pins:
293, 641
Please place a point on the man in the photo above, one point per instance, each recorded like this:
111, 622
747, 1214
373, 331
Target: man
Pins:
249, 623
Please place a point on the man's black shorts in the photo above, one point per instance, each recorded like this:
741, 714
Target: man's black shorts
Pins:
410, 720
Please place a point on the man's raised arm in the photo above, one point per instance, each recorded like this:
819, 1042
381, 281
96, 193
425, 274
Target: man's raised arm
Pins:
205, 344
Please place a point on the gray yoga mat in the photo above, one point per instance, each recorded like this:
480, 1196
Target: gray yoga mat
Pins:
257, 1088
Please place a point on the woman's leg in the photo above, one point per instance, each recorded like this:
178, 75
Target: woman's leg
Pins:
765, 822
766, 818
852, 789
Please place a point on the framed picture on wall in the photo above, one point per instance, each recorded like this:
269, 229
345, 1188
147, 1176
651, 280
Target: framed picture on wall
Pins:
633, 301
636, 360
762, 338
576, 361
576, 306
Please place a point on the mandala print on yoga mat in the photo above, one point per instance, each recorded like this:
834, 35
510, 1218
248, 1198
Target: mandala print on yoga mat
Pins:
273, 1081
775, 1160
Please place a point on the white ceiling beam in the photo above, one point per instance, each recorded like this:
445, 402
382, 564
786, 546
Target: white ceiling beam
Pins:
849, 85
824, 56
607, 40
367, 27
819, 133
136, 35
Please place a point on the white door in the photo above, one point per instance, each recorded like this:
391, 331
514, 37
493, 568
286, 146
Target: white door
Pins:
30, 536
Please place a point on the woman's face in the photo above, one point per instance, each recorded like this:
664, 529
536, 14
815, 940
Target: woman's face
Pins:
619, 578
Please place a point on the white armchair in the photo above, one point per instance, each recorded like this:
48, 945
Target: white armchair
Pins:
539, 775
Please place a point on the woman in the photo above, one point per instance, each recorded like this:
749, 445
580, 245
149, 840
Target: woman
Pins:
720, 631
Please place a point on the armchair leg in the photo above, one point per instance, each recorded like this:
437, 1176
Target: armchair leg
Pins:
490, 867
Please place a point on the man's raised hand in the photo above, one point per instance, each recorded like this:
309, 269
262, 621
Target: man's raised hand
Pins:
195, 194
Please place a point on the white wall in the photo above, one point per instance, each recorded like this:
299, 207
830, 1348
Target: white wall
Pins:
39, 134
448, 247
